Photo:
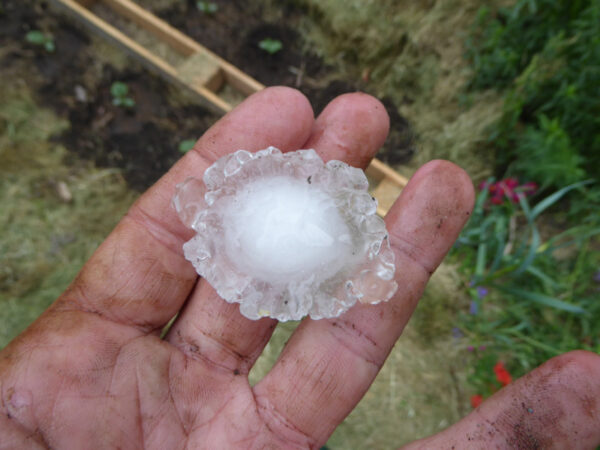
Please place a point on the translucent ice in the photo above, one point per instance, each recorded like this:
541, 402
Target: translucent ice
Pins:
286, 235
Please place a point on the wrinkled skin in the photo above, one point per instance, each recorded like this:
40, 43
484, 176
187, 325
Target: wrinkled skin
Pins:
92, 372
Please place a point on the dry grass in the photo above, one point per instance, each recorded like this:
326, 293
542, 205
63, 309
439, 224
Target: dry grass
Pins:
413, 53
45, 238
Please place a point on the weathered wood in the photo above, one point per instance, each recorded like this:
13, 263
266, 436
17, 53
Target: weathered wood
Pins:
182, 43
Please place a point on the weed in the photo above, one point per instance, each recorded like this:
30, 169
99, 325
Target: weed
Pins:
186, 145
531, 298
120, 95
41, 39
545, 56
45, 240
209, 8
271, 46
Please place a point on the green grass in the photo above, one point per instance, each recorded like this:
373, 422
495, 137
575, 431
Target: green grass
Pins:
544, 57
534, 290
45, 239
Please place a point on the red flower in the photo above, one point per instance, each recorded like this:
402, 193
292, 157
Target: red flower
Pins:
476, 400
508, 189
502, 374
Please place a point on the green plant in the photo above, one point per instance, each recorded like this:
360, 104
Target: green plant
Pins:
186, 145
531, 298
209, 8
120, 95
271, 46
545, 56
548, 155
39, 38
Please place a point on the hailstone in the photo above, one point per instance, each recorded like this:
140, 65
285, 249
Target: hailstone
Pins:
286, 235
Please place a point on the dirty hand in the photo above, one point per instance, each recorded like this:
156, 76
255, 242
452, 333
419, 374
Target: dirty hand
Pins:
92, 371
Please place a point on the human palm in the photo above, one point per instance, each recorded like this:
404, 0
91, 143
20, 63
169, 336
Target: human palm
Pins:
94, 372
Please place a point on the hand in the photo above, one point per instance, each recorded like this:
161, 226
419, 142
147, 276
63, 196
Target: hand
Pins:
92, 371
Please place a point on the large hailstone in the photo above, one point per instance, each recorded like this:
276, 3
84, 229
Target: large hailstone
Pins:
286, 235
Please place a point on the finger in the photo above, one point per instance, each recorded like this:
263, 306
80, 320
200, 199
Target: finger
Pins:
555, 406
328, 365
351, 128
139, 276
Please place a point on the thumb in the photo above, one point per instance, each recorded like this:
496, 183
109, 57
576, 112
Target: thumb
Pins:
556, 405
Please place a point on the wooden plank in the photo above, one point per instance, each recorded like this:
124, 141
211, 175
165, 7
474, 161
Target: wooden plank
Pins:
161, 29
183, 43
386, 194
116, 36
378, 170
201, 69
147, 58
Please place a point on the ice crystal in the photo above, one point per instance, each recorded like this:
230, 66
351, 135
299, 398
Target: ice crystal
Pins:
286, 235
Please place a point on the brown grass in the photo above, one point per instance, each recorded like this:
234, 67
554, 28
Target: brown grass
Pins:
413, 53
45, 238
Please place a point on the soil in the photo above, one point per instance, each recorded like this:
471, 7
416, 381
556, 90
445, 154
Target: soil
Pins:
144, 140
236, 29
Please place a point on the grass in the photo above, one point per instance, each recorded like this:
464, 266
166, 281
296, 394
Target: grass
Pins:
413, 53
46, 237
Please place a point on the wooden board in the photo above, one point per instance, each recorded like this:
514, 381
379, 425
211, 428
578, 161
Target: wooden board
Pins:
202, 73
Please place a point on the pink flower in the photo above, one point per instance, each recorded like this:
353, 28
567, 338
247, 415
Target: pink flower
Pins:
508, 189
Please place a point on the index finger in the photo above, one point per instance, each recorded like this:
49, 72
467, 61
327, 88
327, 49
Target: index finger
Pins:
139, 276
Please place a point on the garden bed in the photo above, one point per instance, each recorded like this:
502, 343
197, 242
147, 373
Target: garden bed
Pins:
143, 140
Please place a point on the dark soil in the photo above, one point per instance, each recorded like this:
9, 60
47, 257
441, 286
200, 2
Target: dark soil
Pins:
144, 140
236, 29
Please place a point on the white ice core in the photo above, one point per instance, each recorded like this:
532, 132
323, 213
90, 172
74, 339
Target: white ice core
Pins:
286, 235
283, 229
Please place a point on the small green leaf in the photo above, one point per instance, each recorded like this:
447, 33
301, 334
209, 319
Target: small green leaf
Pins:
551, 199
187, 145
542, 299
207, 7
270, 46
119, 89
36, 37
128, 102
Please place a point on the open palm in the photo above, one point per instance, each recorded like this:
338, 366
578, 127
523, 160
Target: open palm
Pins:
93, 372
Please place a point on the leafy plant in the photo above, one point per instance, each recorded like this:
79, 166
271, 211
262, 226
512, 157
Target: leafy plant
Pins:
548, 154
209, 8
526, 300
186, 145
271, 46
545, 55
41, 39
120, 95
